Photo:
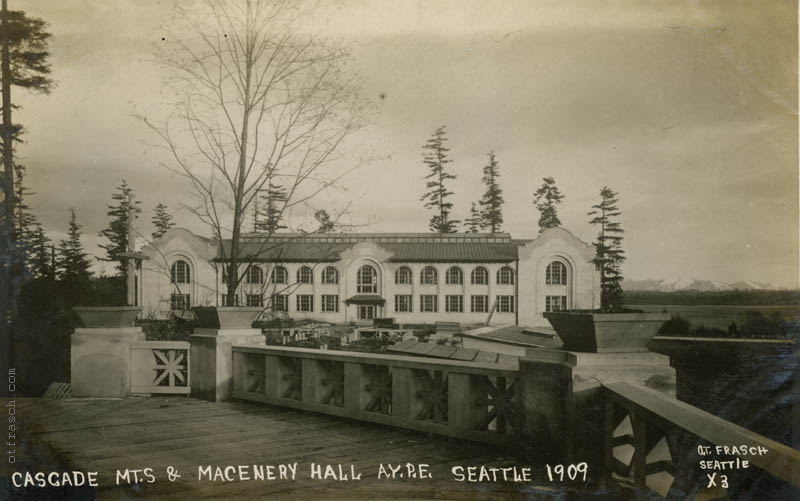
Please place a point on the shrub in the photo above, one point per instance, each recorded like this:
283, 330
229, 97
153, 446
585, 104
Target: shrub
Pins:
675, 326
172, 329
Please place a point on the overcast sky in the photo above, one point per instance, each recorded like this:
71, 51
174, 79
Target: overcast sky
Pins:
687, 109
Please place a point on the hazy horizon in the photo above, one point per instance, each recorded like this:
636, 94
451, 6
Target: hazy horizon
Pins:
688, 111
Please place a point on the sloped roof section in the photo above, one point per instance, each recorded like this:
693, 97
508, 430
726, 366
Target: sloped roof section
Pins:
404, 247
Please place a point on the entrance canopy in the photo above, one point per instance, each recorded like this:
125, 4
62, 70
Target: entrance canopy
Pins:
365, 299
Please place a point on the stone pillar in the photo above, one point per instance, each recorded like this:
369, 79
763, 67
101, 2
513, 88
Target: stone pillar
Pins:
212, 360
545, 402
561, 394
101, 359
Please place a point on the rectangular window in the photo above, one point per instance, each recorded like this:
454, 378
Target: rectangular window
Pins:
254, 300
224, 301
479, 304
454, 304
555, 303
428, 303
179, 302
305, 302
505, 304
280, 302
330, 302
402, 303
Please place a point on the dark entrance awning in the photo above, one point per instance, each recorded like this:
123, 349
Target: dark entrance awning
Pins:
365, 299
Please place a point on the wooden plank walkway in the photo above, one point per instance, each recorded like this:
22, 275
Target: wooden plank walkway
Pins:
107, 435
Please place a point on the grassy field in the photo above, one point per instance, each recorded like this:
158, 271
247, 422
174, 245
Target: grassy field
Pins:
721, 316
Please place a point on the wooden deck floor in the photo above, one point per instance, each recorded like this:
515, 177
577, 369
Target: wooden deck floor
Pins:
136, 433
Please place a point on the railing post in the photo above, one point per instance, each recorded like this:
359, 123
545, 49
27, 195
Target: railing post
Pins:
546, 402
271, 376
211, 368
313, 374
462, 409
639, 454
608, 435
405, 387
354, 394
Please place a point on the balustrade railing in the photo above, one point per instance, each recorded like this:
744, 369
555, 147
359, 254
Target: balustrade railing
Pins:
160, 367
461, 399
652, 439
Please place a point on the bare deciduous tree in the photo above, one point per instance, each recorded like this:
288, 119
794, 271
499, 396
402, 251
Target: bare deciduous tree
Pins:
258, 100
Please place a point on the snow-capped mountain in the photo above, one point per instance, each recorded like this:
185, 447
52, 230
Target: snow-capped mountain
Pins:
685, 284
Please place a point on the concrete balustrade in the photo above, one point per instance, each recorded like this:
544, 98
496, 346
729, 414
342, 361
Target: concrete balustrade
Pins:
460, 399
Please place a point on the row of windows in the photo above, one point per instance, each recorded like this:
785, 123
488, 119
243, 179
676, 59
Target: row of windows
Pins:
367, 276
454, 276
403, 303
280, 302
429, 303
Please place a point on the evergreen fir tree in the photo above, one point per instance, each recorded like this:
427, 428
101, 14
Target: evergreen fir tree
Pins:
162, 220
41, 264
270, 210
24, 220
435, 157
25, 223
546, 199
609, 255
326, 224
121, 209
473, 223
73, 262
492, 201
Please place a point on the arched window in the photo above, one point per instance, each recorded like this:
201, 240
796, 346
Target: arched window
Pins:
402, 276
428, 276
180, 272
254, 275
556, 273
305, 275
330, 275
367, 280
454, 276
505, 276
280, 275
480, 276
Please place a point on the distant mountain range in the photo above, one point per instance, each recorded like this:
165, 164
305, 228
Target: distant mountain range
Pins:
692, 284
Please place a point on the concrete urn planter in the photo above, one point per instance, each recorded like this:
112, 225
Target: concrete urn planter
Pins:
226, 317
606, 332
96, 317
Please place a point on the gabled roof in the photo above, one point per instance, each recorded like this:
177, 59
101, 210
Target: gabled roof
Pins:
404, 247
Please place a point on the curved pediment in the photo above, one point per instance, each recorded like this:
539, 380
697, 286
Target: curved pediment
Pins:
558, 239
177, 240
366, 250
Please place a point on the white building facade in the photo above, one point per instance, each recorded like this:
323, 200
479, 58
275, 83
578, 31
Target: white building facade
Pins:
355, 278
